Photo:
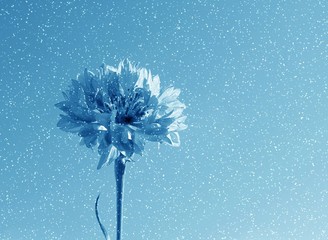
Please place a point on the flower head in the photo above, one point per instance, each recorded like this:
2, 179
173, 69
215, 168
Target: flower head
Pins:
119, 109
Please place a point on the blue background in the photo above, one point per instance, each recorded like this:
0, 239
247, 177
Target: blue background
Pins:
253, 162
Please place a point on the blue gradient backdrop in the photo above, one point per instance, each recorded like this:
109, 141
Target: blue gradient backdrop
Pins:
253, 162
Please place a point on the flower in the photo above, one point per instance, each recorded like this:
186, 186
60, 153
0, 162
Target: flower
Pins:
119, 109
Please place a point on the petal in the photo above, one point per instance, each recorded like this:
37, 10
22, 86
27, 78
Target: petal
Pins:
128, 76
108, 156
103, 158
176, 113
68, 124
143, 74
155, 129
76, 111
173, 139
113, 155
122, 139
104, 119
76, 94
147, 82
91, 129
153, 102
178, 124
64, 106
82, 114
110, 83
169, 95
99, 100
155, 85
90, 140
175, 105
154, 138
105, 141
138, 143
165, 121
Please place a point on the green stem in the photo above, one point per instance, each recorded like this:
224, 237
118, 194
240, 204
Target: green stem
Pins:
119, 172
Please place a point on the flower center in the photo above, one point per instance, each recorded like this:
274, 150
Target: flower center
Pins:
127, 119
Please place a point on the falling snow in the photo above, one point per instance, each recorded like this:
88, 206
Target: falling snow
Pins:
251, 165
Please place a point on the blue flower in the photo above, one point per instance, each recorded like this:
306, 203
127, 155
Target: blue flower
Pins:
119, 109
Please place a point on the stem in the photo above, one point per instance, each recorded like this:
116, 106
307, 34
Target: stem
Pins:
119, 172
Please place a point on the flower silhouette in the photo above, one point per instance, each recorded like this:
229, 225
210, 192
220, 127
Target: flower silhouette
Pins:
119, 109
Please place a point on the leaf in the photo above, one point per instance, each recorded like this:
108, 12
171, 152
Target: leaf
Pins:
102, 227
